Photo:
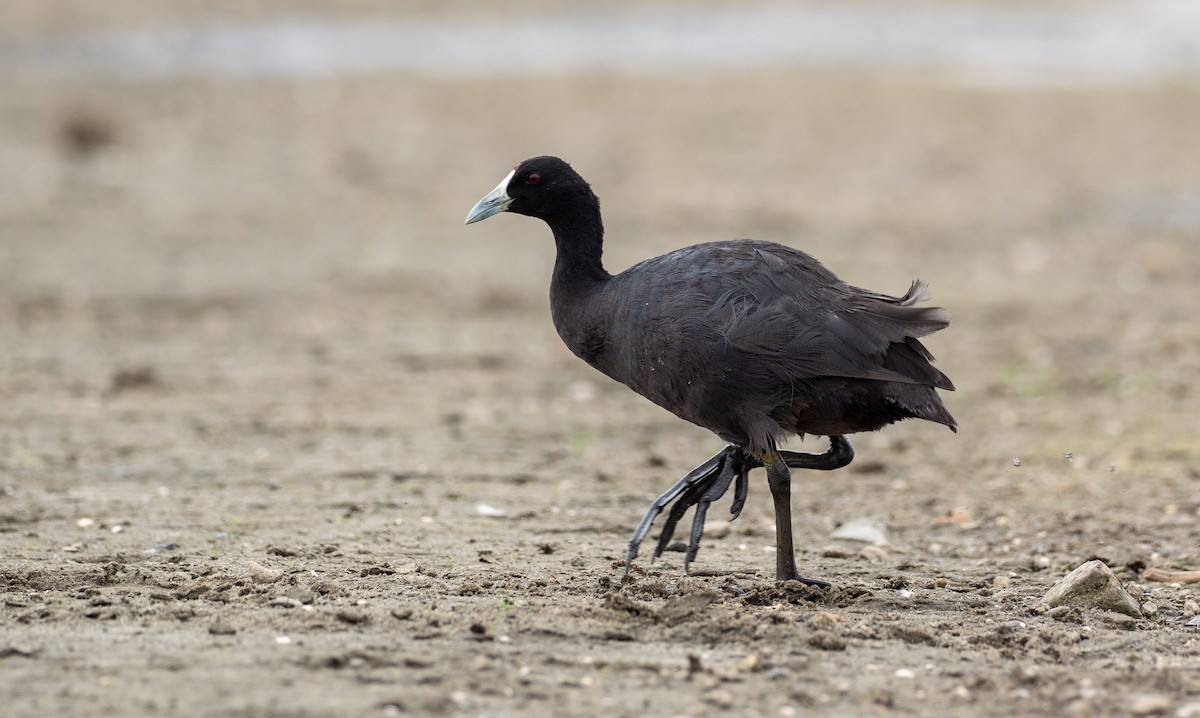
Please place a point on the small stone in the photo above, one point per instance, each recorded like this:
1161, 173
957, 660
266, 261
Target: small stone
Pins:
1190, 608
349, 615
835, 551
1150, 704
1119, 620
717, 529
873, 553
1194, 621
824, 621
1092, 585
999, 583
285, 602
220, 628
1149, 608
826, 641
751, 663
720, 698
863, 529
85, 523
905, 673
262, 574
1188, 710
488, 510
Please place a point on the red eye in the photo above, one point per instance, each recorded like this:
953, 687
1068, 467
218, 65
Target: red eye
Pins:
533, 178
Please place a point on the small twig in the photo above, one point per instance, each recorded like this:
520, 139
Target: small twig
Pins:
1158, 574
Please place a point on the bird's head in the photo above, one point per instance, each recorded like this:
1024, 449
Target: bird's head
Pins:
538, 187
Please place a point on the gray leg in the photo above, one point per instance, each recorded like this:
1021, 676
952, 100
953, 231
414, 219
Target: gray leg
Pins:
780, 482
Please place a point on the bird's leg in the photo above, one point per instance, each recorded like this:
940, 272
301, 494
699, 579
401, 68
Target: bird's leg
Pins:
839, 453
698, 475
780, 481
710, 481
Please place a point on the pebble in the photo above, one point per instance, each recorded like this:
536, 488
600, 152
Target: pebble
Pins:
720, 698
488, 510
864, 529
285, 602
835, 551
1119, 620
752, 663
1000, 583
1194, 621
1190, 608
717, 529
1150, 704
873, 553
1188, 710
826, 641
1092, 585
351, 616
85, 523
262, 574
824, 621
905, 673
1149, 608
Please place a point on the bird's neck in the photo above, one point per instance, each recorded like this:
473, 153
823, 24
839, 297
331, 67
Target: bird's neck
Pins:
579, 238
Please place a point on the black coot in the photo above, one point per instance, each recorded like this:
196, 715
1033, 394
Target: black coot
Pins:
752, 340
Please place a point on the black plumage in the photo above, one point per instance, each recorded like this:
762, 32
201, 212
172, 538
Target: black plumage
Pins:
752, 340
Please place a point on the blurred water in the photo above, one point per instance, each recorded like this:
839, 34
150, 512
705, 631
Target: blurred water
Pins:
1117, 42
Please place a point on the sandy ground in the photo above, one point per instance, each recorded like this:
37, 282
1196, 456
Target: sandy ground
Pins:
280, 437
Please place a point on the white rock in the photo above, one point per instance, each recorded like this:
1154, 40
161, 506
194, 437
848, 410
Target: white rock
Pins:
1150, 704
488, 510
866, 530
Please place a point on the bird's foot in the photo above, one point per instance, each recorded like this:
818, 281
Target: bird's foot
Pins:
700, 487
710, 481
803, 579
